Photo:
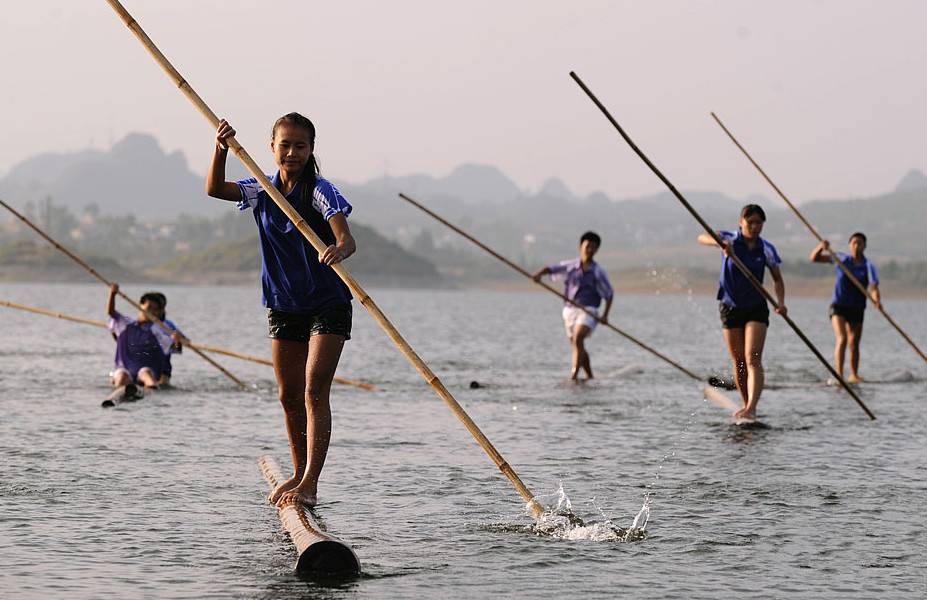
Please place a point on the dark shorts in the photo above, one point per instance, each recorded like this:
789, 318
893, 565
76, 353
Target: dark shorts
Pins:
852, 314
737, 318
299, 327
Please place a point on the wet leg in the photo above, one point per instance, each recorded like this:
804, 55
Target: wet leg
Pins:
322, 361
854, 334
754, 341
289, 359
735, 339
840, 334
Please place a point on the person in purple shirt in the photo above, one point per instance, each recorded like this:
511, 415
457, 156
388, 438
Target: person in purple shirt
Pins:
848, 302
141, 353
309, 306
586, 285
743, 308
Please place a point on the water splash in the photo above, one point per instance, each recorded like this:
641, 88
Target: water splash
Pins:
561, 522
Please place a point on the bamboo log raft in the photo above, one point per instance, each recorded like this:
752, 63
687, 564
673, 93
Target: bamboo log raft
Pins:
318, 552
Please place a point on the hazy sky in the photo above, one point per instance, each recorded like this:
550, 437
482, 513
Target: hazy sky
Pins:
830, 96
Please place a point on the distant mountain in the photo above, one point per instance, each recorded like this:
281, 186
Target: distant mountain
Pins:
474, 184
380, 262
914, 180
136, 177
555, 189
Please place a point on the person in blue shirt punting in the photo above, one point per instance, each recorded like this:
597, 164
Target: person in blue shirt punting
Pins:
743, 308
586, 284
309, 306
848, 302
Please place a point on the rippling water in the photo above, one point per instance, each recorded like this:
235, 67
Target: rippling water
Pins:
163, 498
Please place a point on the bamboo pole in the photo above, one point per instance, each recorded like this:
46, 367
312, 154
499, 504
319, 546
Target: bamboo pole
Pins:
708, 392
342, 272
833, 255
547, 287
213, 349
714, 234
57, 315
154, 319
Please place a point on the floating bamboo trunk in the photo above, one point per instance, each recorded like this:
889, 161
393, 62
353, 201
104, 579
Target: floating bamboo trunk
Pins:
318, 553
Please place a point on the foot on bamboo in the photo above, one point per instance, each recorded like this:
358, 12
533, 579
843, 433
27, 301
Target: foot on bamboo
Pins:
298, 495
745, 415
284, 487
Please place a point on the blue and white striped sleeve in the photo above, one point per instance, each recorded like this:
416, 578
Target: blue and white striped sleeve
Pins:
250, 189
873, 278
328, 200
772, 257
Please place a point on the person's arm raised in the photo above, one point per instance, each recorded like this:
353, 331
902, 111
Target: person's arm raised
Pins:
216, 185
817, 255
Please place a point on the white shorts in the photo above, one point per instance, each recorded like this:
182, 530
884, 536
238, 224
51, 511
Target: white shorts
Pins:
573, 317
117, 370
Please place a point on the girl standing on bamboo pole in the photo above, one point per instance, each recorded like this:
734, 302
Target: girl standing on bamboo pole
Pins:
848, 303
309, 305
744, 312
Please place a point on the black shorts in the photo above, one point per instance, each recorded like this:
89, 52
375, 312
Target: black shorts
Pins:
852, 314
737, 318
299, 327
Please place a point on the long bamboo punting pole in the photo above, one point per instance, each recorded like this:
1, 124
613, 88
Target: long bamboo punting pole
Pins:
547, 287
833, 255
714, 234
318, 553
213, 349
708, 392
92, 271
342, 272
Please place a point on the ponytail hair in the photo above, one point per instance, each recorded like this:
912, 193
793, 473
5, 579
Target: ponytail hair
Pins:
311, 172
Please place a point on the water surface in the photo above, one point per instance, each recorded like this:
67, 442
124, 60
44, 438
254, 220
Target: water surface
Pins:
163, 498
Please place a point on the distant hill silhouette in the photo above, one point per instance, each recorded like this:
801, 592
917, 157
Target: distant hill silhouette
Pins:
136, 177
382, 262
914, 180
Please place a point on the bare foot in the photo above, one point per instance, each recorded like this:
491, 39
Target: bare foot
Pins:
854, 379
745, 415
286, 486
298, 495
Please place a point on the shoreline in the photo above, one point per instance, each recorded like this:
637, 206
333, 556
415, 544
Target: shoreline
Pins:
627, 281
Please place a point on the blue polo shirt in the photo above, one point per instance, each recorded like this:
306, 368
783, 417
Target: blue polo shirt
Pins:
293, 279
734, 289
845, 291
